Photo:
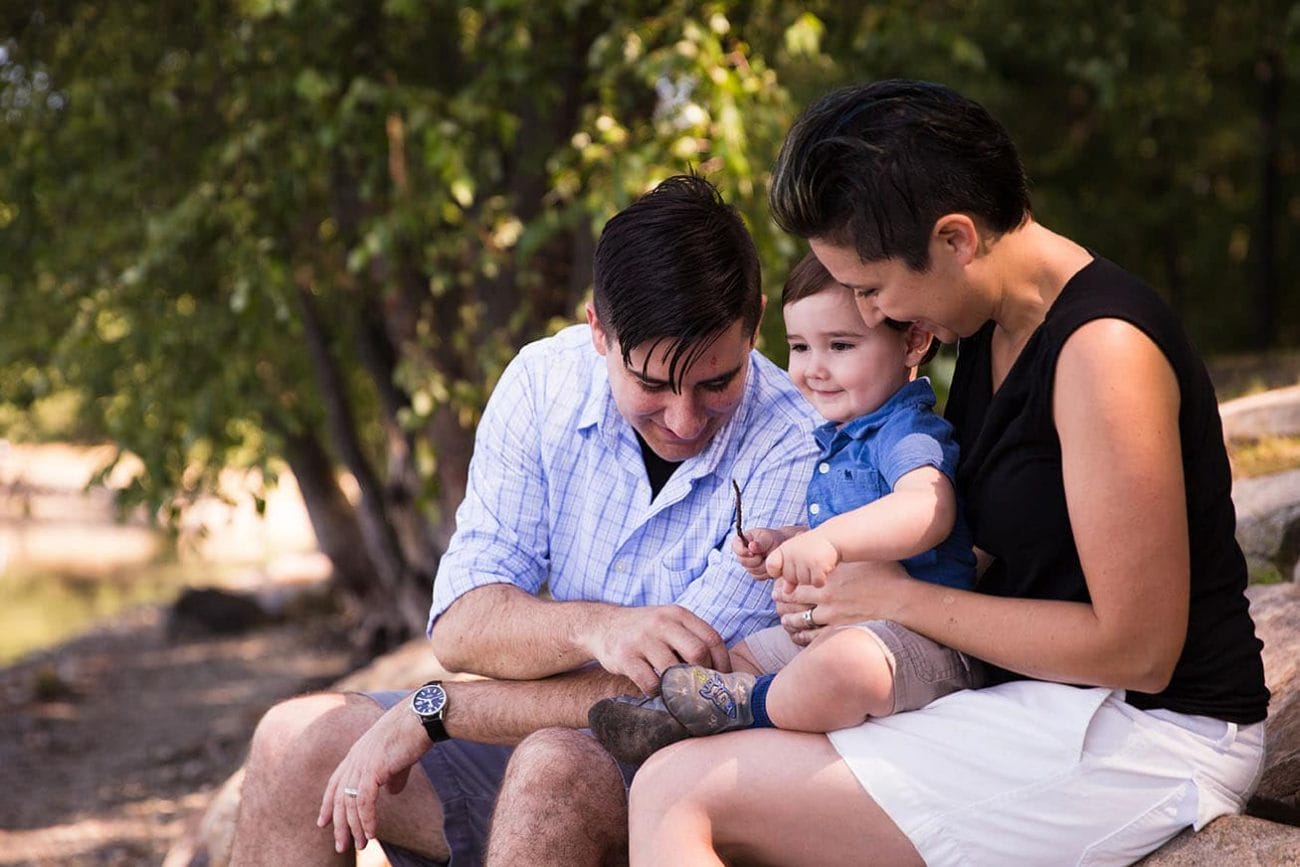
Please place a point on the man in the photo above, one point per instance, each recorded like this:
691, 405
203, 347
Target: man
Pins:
602, 470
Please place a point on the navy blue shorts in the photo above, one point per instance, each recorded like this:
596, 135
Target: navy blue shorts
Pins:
467, 776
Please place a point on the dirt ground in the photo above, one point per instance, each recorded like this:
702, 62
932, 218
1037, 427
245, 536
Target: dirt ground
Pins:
112, 743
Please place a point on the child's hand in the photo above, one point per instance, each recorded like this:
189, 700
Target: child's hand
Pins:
762, 541
805, 559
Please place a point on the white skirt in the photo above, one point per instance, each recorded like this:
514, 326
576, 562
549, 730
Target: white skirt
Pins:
1031, 773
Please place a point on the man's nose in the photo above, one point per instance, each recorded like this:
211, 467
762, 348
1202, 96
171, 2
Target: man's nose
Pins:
685, 417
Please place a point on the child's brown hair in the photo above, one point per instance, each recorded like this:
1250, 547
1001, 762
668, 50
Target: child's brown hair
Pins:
810, 277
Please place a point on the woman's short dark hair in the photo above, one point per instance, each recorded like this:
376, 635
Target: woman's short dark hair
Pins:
677, 266
810, 276
874, 166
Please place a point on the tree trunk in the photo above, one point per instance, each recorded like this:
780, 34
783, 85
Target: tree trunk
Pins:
395, 613
333, 519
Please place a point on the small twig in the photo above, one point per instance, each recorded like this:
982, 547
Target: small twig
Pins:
739, 519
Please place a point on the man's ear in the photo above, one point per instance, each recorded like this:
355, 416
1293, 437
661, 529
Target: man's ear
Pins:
599, 338
917, 342
762, 309
955, 236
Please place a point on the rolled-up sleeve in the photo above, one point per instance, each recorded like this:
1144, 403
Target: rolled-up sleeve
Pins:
501, 526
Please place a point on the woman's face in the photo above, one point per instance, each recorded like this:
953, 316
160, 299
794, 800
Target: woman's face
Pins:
933, 299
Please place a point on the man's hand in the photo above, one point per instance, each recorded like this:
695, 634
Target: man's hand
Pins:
806, 559
639, 643
382, 757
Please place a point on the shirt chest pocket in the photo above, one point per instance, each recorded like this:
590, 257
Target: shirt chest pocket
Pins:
843, 489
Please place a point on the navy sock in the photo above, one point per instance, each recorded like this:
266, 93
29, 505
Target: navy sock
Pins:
758, 702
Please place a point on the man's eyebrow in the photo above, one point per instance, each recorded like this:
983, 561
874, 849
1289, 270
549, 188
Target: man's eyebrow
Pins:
719, 379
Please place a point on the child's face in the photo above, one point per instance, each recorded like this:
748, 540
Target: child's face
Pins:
844, 368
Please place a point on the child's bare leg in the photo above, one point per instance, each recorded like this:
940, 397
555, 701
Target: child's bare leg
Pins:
842, 678
743, 660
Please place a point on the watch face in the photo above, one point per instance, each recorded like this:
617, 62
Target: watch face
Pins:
429, 700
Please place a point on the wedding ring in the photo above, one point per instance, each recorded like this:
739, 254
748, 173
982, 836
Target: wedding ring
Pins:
807, 619
351, 792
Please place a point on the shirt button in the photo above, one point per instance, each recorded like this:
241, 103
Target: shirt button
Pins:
814, 509
824, 468
620, 566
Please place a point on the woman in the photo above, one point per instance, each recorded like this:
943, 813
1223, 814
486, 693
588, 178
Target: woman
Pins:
1128, 693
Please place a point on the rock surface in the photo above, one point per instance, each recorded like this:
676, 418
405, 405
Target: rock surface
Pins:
1268, 520
1273, 413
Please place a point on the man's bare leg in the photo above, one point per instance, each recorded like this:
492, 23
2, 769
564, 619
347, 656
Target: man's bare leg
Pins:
296, 747
562, 802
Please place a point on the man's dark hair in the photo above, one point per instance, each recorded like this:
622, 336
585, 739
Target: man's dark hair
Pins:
810, 277
677, 266
873, 167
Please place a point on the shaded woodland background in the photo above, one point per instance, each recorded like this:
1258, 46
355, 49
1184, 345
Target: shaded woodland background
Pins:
301, 233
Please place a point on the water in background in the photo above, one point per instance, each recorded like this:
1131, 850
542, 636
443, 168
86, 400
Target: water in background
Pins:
67, 563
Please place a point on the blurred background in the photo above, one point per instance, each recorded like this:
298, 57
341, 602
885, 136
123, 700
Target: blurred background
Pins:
261, 261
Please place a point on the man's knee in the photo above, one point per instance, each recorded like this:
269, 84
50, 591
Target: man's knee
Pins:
309, 735
566, 760
586, 824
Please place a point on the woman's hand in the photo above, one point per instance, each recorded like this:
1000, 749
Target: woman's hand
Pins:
852, 593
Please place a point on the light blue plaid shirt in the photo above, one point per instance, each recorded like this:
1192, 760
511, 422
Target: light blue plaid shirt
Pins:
558, 493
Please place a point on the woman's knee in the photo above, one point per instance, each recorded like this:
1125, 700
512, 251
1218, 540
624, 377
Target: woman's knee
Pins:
675, 775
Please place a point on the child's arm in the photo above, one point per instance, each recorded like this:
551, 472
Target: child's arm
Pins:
917, 515
762, 541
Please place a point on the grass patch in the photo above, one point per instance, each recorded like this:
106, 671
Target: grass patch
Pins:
1263, 457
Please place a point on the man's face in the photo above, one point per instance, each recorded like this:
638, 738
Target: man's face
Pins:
676, 425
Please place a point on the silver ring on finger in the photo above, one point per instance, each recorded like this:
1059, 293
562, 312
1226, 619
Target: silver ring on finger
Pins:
807, 619
351, 792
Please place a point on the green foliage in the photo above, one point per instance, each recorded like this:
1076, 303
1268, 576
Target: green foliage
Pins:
179, 183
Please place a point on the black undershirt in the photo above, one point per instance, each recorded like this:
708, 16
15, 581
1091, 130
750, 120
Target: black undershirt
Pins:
658, 470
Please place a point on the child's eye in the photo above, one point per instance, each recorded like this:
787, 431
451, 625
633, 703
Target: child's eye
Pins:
840, 346
798, 347
864, 293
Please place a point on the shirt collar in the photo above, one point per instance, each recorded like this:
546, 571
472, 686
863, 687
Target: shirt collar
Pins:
600, 411
918, 392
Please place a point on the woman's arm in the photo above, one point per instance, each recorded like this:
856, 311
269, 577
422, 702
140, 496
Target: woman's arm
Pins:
1116, 412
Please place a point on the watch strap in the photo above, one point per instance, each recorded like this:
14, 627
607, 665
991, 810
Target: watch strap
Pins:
434, 725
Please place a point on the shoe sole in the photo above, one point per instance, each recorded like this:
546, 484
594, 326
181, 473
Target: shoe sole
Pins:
632, 733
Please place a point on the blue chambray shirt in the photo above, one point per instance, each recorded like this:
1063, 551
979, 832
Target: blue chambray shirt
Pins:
864, 458
558, 494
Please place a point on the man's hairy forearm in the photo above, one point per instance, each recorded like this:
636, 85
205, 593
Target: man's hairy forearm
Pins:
503, 632
505, 712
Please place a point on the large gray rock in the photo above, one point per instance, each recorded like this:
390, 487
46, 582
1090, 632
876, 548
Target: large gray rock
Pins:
1273, 413
1268, 519
1232, 841
1276, 609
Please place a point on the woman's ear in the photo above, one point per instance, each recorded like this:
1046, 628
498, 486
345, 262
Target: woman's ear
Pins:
956, 236
917, 342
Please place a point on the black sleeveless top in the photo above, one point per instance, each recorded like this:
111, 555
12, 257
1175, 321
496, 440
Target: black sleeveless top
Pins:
1010, 481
